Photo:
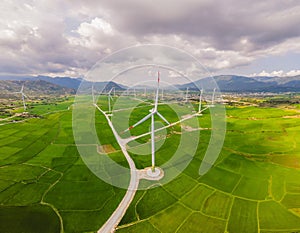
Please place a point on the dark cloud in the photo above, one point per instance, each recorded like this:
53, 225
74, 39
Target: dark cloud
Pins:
222, 23
53, 36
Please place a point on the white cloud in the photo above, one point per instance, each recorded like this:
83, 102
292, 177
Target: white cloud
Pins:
97, 25
293, 73
277, 73
44, 37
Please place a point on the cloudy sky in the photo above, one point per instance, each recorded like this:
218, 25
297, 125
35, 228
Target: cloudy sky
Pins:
66, 38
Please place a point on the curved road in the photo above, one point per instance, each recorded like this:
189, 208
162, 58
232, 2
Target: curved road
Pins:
111, 224
118, 214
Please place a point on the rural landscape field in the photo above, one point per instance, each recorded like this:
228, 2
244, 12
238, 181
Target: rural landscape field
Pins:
131, 116
253, 187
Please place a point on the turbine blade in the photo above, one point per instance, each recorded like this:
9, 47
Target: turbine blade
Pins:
200, 100
139, 122
213, 96
22, 88
164, 119
157, 90
110, 91
24, 95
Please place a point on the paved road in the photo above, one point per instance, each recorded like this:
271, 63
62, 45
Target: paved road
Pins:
111, 224
115, 218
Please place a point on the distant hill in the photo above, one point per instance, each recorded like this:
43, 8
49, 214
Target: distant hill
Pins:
67, 82
234, 83
226, 83
61, 81
76, 82
32, 88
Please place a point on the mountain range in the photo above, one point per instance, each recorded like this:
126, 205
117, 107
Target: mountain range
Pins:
234, 83
38, 87
226, 83
45, 85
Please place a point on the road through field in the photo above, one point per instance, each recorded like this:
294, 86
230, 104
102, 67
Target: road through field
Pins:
111, 224
118, 214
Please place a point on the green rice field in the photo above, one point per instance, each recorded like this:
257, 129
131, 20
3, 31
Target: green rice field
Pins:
254, 185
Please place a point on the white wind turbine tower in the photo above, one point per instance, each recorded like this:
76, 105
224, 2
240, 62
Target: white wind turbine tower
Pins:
93, 95
152, 113
213, 98
200, 101
109, 99
23, 96
186, 94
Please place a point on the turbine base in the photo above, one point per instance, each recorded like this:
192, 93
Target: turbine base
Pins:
149, 174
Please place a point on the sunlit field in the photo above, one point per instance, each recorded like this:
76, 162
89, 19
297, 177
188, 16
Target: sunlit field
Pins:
254, 185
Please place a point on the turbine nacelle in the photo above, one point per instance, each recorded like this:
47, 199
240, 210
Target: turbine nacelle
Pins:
152, 110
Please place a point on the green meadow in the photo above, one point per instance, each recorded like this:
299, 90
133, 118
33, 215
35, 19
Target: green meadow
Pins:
254, 185
44, 184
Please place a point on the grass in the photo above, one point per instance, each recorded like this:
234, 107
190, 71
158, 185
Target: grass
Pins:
26, 194
198, 222
277, 187
51, 106
154, 201
243, 217
195, 198
180, 185
218, 205
70, 195
144, 226
291, 200
29, 219
253, 187
247, 185
43, 181
20, 172
178, 211
272, 216
221, 179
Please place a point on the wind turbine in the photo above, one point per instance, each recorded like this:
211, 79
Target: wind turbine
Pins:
152, 113
213, 98
109, 99
23, 96
93, 94
186, 94
200, 100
